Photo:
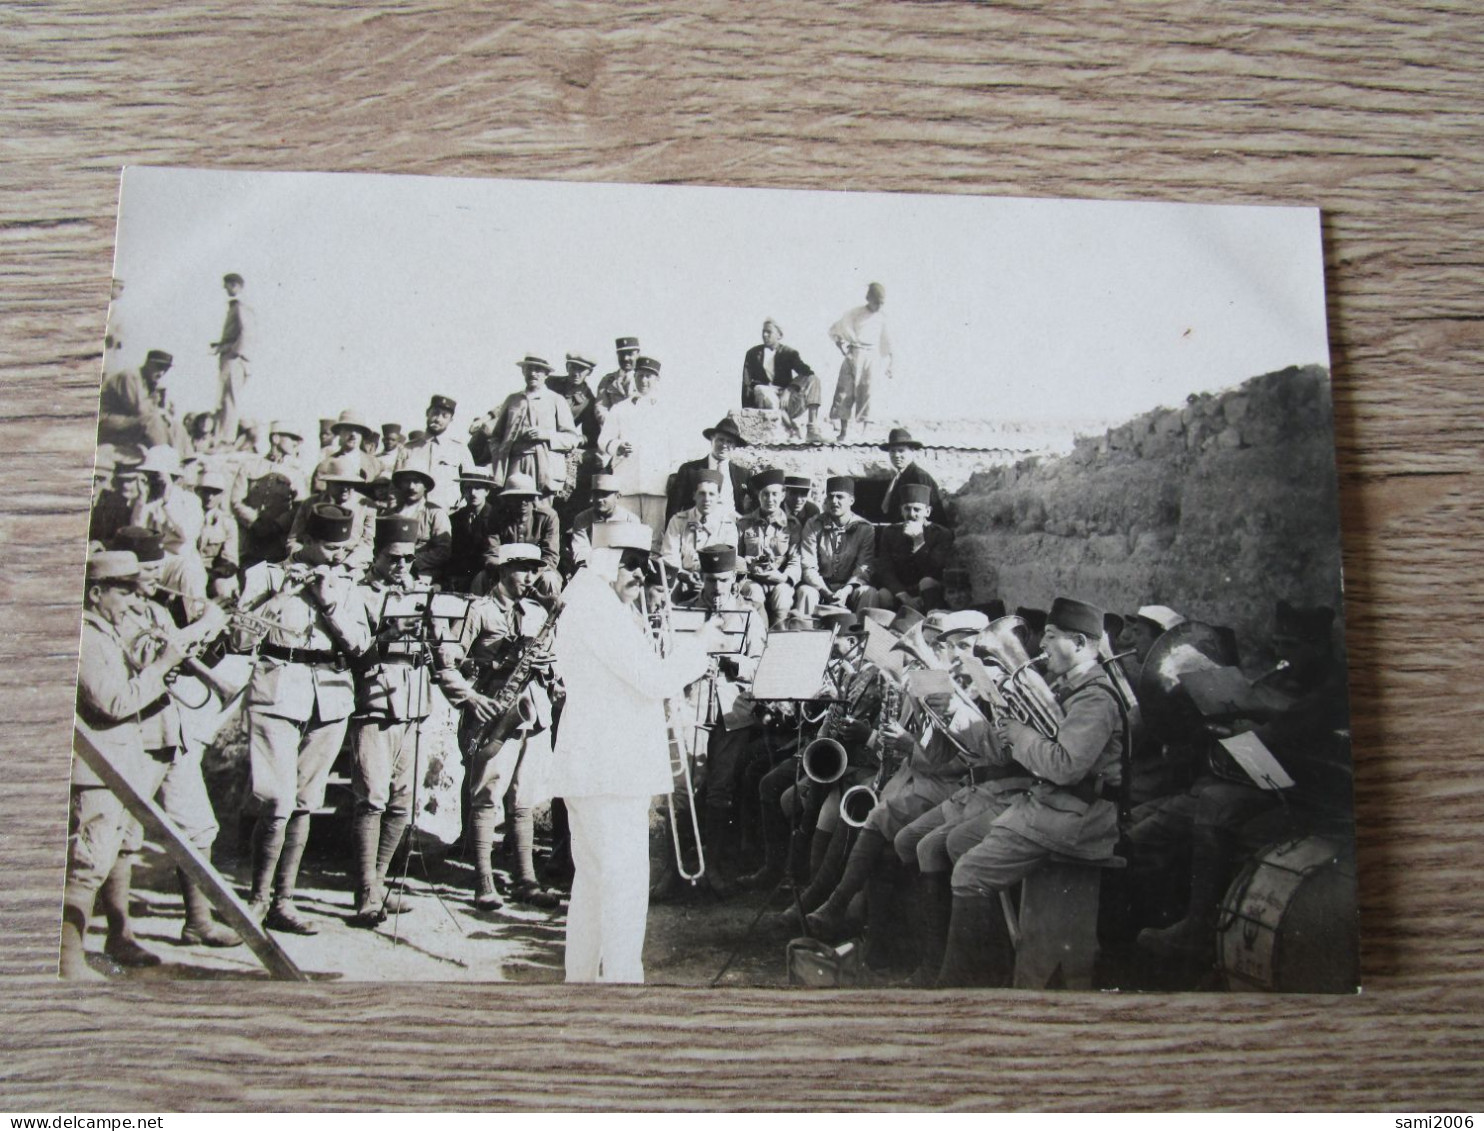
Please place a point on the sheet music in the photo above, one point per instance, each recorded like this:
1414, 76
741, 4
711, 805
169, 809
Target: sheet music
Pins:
792, 666
879, 644
1257, 761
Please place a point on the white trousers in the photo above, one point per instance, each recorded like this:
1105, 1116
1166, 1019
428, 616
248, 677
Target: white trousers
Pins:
610, 888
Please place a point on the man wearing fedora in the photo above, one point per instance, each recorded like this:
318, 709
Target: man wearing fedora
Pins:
724, 438
523, 517
434, 539
605, 509
901, 450
618, 386
265, 494
637, 442
231, 355
472, 523
529, 434
112, 695
344, 486
579, 395
131, 405
351, 434
915, 553
299, 701
860, 335
437, 453
774, 376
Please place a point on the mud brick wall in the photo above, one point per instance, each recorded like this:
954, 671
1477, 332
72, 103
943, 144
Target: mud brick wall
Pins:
1216, 508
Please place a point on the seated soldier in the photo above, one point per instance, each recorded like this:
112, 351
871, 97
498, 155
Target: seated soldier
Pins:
688, 532
914, 553
768, 546
410, 486
523, 518
606, 508
1068, 809
1226, 812
837, 552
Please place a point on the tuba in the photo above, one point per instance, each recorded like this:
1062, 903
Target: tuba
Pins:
1021, 692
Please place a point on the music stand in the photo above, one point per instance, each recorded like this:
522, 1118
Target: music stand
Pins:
791, 670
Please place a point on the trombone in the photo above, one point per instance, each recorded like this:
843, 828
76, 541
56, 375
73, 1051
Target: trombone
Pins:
662, 632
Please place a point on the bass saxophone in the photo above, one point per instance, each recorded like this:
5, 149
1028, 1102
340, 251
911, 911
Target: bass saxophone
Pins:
507, 701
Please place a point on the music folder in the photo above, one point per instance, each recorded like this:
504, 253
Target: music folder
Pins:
792, 666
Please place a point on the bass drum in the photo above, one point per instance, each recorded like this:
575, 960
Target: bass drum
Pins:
1289, 923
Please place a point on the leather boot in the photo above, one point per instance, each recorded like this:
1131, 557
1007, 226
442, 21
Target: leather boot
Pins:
113, 901
718, 835
282, 914
932, 906
828, 923
200, 928
393, 824
1194, 937
978, 951
775, 834
482, 841
369, 892
73, 964
267, 847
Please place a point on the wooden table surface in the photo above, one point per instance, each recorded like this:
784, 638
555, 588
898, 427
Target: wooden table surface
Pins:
1373, 111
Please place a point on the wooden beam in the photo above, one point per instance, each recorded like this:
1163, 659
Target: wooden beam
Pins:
185, 855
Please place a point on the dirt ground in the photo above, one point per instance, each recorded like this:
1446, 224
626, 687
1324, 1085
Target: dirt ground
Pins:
443, 937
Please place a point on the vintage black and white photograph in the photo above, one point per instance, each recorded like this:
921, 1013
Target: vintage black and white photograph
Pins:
503, 581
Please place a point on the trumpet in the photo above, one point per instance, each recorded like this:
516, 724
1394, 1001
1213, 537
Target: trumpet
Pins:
237, 618
150, 640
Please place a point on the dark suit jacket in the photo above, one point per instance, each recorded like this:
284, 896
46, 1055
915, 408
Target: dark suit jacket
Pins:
898, 566
787, 365
682, 492
912, 473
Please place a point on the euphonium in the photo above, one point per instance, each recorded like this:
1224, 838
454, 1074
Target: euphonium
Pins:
1027, 698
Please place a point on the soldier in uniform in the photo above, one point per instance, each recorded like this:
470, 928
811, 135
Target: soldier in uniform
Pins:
299, 701
769, 544
618, 386
395, 695
605, 509
167, 508
1068, 808
112, 694
707, 523
636, 440
476, 671
131, 409
410, 486
437, 453
837, 551
265, 495
344, 486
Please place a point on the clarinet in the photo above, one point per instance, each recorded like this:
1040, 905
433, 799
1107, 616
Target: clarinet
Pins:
508, 716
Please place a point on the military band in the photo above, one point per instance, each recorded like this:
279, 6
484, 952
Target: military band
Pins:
615, 606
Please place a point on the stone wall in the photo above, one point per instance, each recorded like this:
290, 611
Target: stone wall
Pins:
1217, 509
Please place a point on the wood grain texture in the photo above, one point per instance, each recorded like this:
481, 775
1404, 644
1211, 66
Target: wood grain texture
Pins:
1371, 110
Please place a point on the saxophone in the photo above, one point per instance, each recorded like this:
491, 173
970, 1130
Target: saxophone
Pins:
507, 699
857, 802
